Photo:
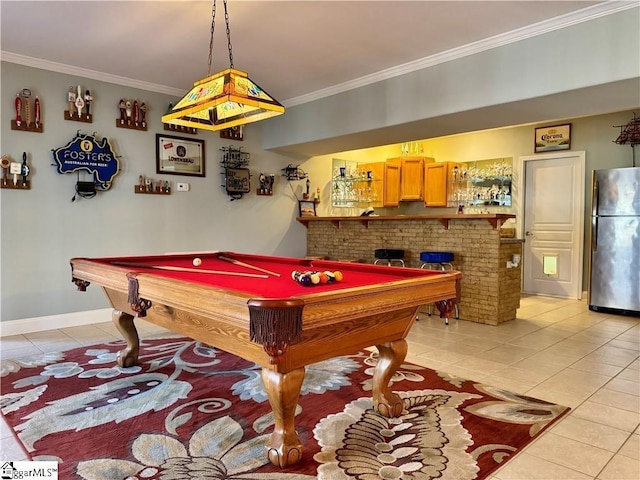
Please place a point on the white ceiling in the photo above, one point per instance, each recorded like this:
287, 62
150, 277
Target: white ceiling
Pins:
292, 49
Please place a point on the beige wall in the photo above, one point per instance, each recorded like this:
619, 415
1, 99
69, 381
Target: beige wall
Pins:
41, 229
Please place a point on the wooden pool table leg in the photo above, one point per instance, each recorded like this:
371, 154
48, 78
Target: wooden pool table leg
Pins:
446, 308
124, 323
392, 354
283, 447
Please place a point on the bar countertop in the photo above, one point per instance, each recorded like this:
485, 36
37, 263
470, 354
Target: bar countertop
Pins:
495, 219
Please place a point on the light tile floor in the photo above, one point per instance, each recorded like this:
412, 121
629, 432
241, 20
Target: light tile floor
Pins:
556, 350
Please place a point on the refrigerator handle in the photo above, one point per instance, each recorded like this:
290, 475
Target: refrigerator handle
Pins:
595, 195
594, 215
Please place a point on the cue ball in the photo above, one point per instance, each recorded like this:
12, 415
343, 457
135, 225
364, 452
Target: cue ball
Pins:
197, 262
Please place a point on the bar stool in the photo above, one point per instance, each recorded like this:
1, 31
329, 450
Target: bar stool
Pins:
389, 255
438, 261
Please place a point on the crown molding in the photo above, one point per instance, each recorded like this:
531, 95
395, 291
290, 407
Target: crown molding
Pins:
86, 73
533, 30
540, 28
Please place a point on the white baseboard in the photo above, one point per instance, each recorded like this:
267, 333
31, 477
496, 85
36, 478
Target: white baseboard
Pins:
50, 322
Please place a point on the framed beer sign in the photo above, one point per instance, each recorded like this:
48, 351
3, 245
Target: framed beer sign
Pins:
556, 137
179, 156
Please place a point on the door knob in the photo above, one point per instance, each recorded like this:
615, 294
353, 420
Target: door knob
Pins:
528, 234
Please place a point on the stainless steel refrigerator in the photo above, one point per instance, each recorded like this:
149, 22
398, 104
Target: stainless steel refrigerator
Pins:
614, 270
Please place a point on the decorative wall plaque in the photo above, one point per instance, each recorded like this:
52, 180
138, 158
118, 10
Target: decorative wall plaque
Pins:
86, 153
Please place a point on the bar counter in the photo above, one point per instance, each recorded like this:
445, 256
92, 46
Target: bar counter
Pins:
495, 219
490, 290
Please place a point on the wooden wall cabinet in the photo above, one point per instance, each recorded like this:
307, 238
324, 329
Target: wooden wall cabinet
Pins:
370, 184
436, 183
382, 189
412, 178
391, 197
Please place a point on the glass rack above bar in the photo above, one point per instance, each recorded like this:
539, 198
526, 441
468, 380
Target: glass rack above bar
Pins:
483, 182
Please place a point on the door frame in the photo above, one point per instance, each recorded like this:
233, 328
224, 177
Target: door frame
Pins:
520, 183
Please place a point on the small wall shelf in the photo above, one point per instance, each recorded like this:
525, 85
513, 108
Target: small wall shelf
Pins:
234, 133
4, 183
84, 118
141, 126
157, 191
23, 126
180, 129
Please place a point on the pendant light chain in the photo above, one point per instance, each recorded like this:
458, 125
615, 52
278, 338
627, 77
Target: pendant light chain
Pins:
213, 27
226, 19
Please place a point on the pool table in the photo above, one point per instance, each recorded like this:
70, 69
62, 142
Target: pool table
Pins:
249, 306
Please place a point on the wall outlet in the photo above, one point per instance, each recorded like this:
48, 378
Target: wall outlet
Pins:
183, 187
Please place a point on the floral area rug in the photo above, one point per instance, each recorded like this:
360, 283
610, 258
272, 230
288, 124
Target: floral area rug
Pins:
189, 411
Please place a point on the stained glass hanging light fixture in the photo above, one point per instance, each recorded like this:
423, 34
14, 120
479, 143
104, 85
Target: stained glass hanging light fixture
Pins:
223, 100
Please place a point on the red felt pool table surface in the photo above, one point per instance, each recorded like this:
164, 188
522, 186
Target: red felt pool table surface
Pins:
274, 321
354, 274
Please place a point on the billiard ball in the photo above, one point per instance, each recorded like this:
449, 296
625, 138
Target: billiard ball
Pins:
301, 277
305, 280
197, 262
337, 276
315, 278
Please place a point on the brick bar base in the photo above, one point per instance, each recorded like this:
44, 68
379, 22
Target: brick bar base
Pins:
490, 292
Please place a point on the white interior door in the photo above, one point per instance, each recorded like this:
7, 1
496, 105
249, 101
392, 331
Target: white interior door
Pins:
553, 223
